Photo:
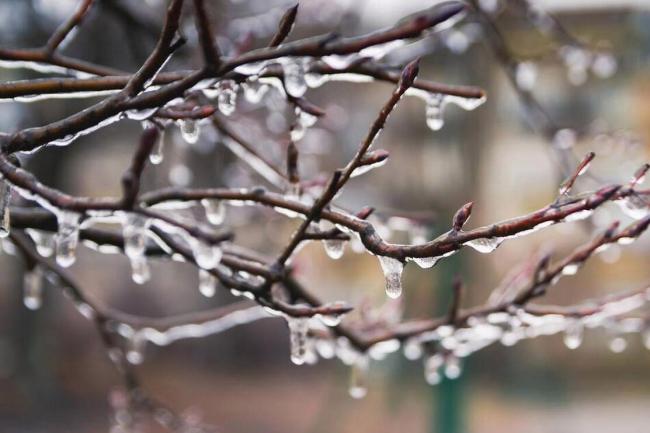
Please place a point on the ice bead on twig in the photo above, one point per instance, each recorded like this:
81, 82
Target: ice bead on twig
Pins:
333, 247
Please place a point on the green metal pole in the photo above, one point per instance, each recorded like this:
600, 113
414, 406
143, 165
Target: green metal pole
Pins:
449, 395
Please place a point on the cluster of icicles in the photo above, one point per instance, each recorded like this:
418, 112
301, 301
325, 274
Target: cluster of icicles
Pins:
297, 79
451, 344
135, 230
304, 349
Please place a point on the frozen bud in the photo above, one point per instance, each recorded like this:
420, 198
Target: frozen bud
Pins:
461, 216
365, 212
639, 175
409, 73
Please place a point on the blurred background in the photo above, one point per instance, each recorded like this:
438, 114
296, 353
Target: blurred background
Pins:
54, 374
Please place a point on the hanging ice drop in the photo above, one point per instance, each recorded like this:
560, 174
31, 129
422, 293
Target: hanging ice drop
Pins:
334, 248
484, 245
304, 121
432, 366
298, 329
134, 230
190, 130
33, 288
135, 349
452, 367
254, 91
67, 238
207, 256
157, 153
227, 96
44, 242
358, 377
573, 334
433, 110
140, 272
207, 283
393, 273
215, 210
294, 77
5, 198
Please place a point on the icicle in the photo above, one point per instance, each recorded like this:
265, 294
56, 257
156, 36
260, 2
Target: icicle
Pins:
526, 75
452, 366
134, 230
484, 245
5, 198
434, 107
207, 256
358, 377
67, 238
135, 349
298, 328
432, 366
333, 247
44, 242
325, 348
156, 156
215, 210
393, 273
207, 283
573, 334
618, 344
254, 91
304, 121
140, 272
190, 130
294, 77
33, 288
227, 96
